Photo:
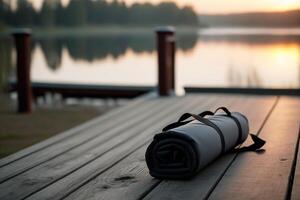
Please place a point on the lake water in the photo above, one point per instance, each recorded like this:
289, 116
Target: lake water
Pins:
263, 58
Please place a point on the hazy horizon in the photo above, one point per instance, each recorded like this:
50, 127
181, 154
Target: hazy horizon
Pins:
218, 6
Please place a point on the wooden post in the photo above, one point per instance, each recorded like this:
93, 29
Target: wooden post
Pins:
22, 41
173, 57
166, 59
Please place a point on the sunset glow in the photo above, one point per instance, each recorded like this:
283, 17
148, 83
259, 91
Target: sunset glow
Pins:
286, 4
229, 6
219, 6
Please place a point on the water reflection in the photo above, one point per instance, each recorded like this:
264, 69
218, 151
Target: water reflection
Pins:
52, 50
5, 60
202, 60
100, 47
271, 63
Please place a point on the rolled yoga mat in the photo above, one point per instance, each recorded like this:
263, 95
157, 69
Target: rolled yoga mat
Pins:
185, 147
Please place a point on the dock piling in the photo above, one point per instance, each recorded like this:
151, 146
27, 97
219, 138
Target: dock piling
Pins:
166, 49
22, 42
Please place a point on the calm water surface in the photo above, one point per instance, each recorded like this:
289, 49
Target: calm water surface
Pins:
211, 58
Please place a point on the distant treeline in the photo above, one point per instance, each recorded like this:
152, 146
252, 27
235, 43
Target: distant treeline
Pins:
257, 19
94, 12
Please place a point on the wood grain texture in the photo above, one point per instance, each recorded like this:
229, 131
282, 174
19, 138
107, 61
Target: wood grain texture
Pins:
47, 173
98, 130
74, 180
265, 176
140, 182
74, 131
130, 178
256, 109
110, 164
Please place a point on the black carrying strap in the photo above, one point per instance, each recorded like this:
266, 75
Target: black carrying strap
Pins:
223, 109
203, 114
237, 122
205, 121
228, 113
257, 142
175, 125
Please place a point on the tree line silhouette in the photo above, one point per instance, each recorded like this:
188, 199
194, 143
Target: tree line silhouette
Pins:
94, 12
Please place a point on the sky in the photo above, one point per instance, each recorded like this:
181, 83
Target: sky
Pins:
223, 6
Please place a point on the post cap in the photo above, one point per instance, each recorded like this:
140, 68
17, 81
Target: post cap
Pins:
21, 31
165, 29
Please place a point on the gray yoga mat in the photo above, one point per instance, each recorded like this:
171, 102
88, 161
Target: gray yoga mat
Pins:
185, 147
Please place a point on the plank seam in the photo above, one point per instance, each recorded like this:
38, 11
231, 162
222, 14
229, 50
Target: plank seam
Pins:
149, 190
70, 172
293, 170
236, 155
104, 170
111, 166
57, 155
77, 168
122, 158
74, 131
218, 180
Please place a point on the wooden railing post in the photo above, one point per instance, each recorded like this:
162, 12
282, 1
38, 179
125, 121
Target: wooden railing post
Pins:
166, 60
173, 57
22, 41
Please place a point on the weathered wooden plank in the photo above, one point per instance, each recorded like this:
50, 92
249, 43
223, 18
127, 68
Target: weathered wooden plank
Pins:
106, 129
45, 174
200, 186
76, 130
130, 179
266, 176
296, 181
77, 178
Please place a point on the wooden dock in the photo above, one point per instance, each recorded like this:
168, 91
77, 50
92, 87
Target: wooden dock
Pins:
104, 158
85, 91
